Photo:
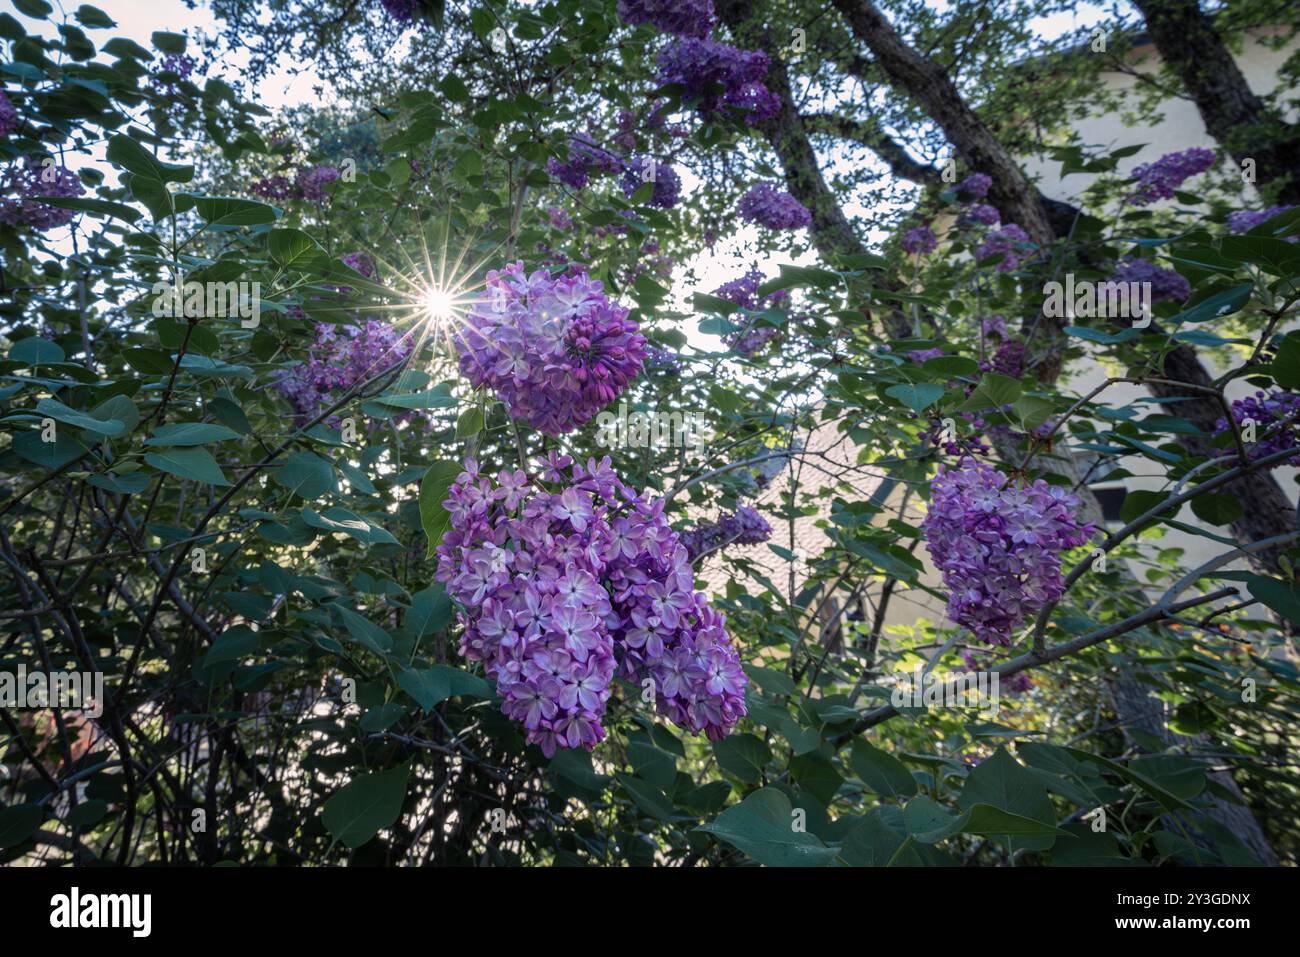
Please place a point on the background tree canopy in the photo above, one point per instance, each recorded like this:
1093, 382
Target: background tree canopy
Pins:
633, 433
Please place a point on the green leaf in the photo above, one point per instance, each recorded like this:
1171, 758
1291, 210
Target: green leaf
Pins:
55, 409
1217, 508
190, 433
436, 398
229, 211
762, 826
430, 611
744, 755
1220, 304
196, 464
434, 487
364, 631
1281, 596
233, 644
289, 246
341, 520
883, 773
365, 806
127, 152
307, 475
1006, 786
18, 823
50, 455
36, 350
916, 396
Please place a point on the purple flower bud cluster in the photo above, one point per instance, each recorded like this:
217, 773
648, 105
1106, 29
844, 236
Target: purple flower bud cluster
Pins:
645, 169
975, 186
1011, 242
1166, 284
1158, 180
745, 526
919, 240
998, 545
744, 293
1244, 220
1266, 410
560, 590
699, 65
683, 18
29, 184
555, 349
983, 213
341, 357
309, 184
769, 205
586, 158
8, 116
1009, 359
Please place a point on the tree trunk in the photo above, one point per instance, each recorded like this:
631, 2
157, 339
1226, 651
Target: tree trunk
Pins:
1236, 118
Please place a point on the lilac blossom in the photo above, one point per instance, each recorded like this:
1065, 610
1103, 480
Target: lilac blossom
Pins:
744, 293
975, 186
769, 205
1166, 284
998, 545
9, 120
1158, 180
1011, 242
645, 169
1244, 220
561, 589
699, 65
311, 182
683, 18
1274, 414
341, 357
745, 526
31, 183
983, 213
919, 240
555, 349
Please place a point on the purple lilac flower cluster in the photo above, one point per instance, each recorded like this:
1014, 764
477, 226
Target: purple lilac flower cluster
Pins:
309, 184
31, 183
919, 240
745, 526
1158, 180
645, 169
1009, 359
1166, 284
558, 218
975, 186
1011, 242
8, 116
769, 205
922, 356
1243, 221
341, 357
683, 18
1266, 410
662, 359
744, 293
362, 263
401, 10
560, 590
586, 158
699, 65
998, 545
995, 325
983, 214
555, 349
180, 64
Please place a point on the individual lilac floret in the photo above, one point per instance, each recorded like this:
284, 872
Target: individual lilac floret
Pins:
975, 186
1011, 242
1244, 220
1166, 284
683, 18
1158, 180
919, 240
555, 349
769, 205
700, 66
998, 545
983, 213
342, 356
30, 184
645, 169
1266, 410
560, 588
8, 116
745, 526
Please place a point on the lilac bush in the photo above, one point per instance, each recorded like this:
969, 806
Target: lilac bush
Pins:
555, 349
998, 545
768, 205
559, 589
